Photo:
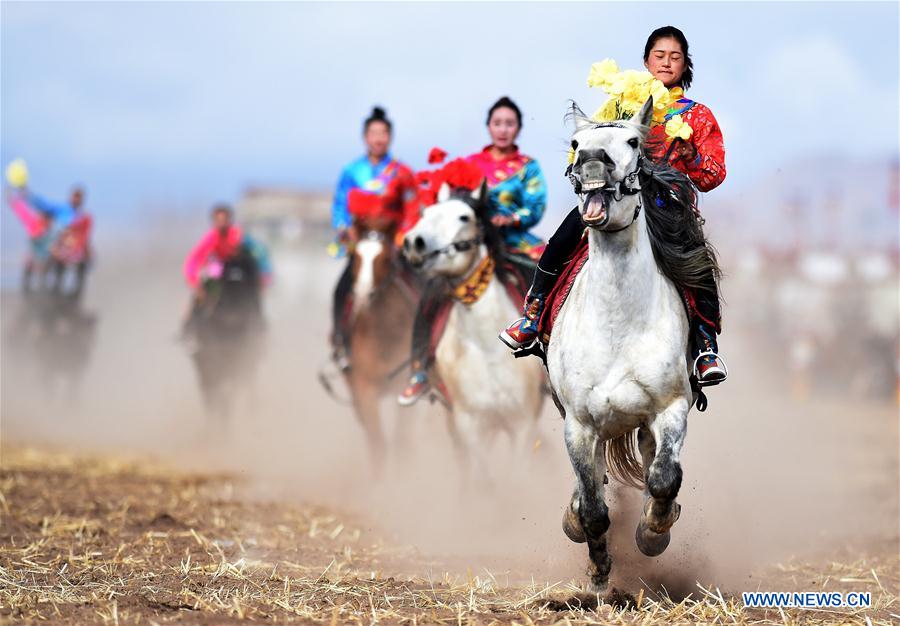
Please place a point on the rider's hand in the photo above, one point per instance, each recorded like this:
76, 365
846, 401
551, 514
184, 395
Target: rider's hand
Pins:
200, 293
502, 221
685, 151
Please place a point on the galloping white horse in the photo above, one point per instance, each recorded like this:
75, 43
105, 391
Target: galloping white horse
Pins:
617, 357
490, 391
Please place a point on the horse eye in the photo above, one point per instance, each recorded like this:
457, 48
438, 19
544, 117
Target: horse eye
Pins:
465, 218
633, 142
574, 145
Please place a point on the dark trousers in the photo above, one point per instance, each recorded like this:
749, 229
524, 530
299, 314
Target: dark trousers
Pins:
339, 307
433, 298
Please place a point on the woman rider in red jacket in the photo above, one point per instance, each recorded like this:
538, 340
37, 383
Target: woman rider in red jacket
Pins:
701, 158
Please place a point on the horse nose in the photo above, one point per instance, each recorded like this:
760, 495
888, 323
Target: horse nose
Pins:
593, 170
419, 244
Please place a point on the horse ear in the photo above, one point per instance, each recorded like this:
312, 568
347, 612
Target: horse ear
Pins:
443, 193
643, 117
480, 192
581, 120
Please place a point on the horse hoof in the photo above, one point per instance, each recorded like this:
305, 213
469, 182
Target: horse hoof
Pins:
660, 523
597, 587
572, 525
649, 542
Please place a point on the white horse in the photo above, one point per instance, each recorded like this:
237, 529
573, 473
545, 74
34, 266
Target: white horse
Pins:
490, 392
617, 358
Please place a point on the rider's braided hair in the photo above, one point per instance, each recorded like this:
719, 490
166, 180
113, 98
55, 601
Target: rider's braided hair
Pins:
378, 114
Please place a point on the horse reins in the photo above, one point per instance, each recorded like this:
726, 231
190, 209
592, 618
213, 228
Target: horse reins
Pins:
622, 188
457, 246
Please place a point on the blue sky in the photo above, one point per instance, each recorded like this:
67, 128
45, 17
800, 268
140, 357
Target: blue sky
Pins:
179, 104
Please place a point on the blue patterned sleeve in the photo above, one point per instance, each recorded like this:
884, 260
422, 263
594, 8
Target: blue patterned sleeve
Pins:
340, 215
534, 196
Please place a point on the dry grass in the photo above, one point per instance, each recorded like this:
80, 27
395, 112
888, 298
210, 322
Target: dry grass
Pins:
100, 541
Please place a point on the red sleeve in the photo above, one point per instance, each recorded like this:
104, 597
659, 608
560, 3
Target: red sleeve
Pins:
409, 199
707, 170
197, 257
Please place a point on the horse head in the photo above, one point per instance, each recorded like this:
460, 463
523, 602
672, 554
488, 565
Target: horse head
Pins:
606, 169
373, 256
447, 239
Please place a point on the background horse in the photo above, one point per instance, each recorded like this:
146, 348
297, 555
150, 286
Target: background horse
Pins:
383, 306
229, 333
618, 356
490, 391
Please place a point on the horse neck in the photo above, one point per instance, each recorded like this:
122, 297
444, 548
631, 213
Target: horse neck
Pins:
477, 258
621, 268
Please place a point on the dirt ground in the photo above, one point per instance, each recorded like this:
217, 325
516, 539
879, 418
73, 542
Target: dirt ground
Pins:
123, 502
88, 540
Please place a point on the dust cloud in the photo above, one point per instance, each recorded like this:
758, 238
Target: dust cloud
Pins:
767, 476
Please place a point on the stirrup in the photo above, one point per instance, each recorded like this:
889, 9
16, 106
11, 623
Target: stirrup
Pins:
696, 369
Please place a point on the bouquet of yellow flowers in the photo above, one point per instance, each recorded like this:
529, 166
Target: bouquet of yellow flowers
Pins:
628, 91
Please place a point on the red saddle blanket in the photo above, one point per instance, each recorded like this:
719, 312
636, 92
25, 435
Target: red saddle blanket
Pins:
515, 283
563, 286
557, 296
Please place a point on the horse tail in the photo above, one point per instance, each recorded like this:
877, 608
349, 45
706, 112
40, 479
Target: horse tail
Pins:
622, 460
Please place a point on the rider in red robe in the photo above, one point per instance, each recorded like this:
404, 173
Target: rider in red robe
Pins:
701, 158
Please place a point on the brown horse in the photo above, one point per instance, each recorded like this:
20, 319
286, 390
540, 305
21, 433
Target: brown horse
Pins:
380, 325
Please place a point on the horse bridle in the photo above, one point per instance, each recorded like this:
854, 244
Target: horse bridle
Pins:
457, 246
622, 188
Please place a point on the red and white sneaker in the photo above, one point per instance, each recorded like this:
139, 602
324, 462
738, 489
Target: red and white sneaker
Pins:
709, 369
520, 334
418, 386
524, 331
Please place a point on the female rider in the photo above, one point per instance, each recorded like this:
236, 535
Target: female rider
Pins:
517, 196
701, 158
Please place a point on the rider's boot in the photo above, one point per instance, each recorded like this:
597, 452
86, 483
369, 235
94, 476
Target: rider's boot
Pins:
524, 331
709, 367
418, 386
340, 353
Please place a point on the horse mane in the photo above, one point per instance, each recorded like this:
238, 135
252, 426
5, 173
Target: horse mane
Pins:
681, 250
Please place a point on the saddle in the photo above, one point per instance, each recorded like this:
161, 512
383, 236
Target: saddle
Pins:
573, 266
557, 296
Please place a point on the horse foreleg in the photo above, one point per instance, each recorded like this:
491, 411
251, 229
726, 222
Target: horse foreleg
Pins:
660, 446
365, 402
587, 517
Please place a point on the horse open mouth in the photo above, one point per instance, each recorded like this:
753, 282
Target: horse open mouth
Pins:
596, 211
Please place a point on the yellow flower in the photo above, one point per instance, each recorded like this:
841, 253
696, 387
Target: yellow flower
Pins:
677, 128
17, 173
608, 112
571, 156
661, 96
505, 198
602, 73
